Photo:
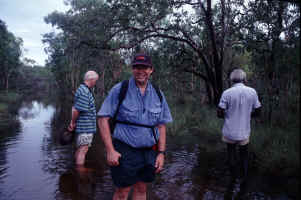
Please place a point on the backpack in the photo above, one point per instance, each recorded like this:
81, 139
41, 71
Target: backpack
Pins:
121, 97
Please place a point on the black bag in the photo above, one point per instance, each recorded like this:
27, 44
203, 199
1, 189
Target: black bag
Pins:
67, 137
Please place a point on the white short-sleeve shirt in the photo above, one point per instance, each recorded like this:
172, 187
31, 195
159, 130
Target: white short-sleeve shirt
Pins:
238, 102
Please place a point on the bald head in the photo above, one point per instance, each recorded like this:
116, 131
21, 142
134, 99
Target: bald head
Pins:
89, 75
238, 76
90, 78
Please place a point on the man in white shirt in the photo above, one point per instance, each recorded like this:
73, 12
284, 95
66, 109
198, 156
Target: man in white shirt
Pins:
237, 105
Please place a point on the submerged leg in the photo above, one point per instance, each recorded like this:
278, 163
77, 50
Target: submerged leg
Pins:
243, 161
231, 150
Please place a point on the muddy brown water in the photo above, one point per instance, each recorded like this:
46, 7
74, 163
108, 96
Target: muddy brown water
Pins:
34, 166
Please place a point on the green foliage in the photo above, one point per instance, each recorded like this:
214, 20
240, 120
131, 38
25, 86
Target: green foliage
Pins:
10, 52
3, 107
81, 46
8, 102
201, 40
32, 79
95, 26
7, 112
276, 149
190, 117
9, 97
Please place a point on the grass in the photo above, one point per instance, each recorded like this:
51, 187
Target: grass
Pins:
276, 147
8, 97
3, 107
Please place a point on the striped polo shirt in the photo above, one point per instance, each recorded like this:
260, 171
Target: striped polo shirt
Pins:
84, 103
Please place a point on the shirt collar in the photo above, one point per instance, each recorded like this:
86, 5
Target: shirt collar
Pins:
237, 84
132, 84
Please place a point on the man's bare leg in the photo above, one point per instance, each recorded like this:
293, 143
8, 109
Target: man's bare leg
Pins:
139, 191
80, 155
121, 193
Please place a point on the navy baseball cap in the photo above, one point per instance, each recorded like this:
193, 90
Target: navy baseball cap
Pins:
142, 59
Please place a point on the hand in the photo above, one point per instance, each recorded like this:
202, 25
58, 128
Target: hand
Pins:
113, 158
71, 126
159, 162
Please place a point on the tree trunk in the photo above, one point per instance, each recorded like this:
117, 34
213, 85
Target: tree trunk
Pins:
6, 84
219, 83
209, 92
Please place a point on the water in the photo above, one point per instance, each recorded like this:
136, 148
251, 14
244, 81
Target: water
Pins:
22, 174
34, 166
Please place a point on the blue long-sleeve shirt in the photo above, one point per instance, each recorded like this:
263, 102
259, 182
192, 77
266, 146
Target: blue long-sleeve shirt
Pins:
135, 108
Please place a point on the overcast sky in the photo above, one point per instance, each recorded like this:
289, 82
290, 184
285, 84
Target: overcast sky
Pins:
24, 18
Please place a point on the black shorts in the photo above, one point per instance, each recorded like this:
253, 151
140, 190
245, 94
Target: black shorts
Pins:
134, 165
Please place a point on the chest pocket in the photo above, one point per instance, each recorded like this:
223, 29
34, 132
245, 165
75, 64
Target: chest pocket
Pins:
128, 112
154, 114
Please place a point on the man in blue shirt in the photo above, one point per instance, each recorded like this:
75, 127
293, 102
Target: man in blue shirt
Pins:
83, 118
129, 150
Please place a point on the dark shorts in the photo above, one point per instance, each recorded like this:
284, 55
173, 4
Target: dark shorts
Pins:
134, 165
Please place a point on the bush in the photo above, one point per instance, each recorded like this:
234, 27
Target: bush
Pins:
8, 101
8, 97
3, 107
277, 149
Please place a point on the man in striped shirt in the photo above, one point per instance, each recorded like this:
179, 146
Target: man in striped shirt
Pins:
84, 117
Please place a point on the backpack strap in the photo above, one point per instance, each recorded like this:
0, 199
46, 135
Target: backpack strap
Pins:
158, 92
121, 96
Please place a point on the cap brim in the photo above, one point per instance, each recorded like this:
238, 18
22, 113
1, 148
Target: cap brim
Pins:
145, 64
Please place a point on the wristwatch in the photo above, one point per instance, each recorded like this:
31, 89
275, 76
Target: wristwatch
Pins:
163, 152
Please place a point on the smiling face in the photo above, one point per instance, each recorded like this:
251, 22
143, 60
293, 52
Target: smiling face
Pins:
141, 74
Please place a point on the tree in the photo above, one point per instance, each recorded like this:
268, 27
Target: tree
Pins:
271, 32
69, 60
201, 31
29, 62
10, 52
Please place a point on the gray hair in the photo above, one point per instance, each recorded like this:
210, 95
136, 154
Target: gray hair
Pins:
238, 75
90, 75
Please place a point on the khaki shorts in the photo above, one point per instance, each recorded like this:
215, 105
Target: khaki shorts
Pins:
84, 139
240, 142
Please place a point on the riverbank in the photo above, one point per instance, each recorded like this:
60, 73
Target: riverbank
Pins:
11, 101
8, 110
